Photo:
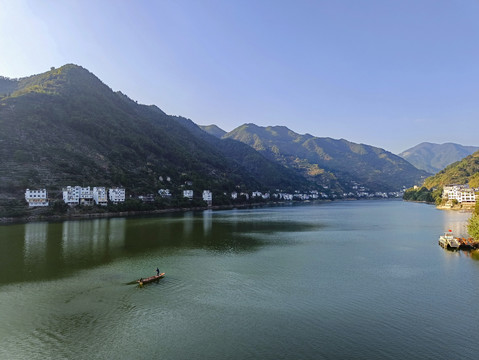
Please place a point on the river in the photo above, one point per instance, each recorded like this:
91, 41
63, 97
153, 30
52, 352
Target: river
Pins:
340, 280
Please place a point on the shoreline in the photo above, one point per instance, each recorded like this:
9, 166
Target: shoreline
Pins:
468, 208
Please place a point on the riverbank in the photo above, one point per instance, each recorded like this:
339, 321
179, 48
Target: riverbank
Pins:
457, 207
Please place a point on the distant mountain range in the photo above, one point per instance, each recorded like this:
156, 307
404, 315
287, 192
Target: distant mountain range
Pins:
65, 127
435, 157
339, 164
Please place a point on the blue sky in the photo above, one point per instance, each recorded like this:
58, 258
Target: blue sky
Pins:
388, 73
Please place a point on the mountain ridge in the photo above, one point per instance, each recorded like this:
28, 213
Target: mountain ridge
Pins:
213, 130
330, 159
66, 127
433, 157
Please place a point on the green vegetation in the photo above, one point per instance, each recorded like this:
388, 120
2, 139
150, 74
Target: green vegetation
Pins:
213, 130
473, 223
65, 127
461, 172
420, 194
329, 162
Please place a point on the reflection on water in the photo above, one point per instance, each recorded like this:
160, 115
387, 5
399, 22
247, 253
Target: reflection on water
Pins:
457, 222
94, 240
35, 243
207, 221
43, 250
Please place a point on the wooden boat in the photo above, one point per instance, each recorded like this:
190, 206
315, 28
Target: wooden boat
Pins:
150, 279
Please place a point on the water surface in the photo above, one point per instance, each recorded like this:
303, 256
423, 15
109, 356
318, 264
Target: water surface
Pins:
342, 280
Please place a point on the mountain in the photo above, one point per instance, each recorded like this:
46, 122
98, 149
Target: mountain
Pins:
265, 171
335, 163
7, 86
465, 171
65, 127
213, 130
435, 157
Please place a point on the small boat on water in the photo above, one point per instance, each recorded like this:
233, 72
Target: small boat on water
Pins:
150, 279
448, 241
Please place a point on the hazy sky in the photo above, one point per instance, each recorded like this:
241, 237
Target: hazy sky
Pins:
388, 73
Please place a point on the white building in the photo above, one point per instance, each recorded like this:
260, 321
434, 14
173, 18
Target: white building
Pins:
234, 195
36, 197
86, 196
74, 195
188, 194
99, 196
246, 195
285, 196
116, 195
208, 197
71, 195
314, 194
461, 193
300, 196
164, 193
256, 194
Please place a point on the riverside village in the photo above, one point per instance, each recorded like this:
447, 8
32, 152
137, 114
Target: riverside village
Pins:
101, 196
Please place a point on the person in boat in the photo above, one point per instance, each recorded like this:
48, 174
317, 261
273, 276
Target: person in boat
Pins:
140, 282
157, 272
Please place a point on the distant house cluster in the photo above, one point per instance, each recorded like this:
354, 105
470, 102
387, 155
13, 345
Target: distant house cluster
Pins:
359, 191
461, 193
280, 195
188, 194
77, 195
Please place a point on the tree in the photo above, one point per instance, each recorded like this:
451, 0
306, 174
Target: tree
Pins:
474, 180
473, 226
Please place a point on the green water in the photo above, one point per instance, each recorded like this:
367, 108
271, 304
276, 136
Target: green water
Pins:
344, 280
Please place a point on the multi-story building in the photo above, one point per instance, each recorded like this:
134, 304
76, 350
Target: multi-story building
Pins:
74, 195
99, 196
461, 193
86, 196
36, 197
188, 194
208, 197
71, 195
116, 195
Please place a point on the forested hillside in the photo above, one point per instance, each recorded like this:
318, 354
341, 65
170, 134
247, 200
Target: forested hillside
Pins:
65, 127
334, 163
465, 171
